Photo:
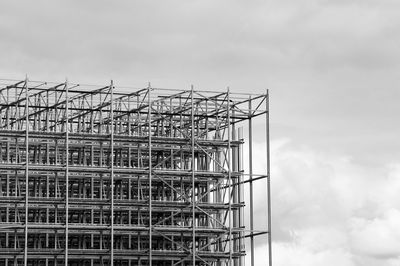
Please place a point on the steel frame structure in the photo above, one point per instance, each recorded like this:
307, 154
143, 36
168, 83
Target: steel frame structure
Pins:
121, 176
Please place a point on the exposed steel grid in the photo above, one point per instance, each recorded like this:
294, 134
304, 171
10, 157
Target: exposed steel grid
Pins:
122, 176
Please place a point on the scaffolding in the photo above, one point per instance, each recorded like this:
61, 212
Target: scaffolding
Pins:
106, 175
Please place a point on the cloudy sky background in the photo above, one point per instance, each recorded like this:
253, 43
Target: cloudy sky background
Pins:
333, 70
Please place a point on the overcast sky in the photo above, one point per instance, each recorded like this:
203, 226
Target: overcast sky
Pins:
333, 71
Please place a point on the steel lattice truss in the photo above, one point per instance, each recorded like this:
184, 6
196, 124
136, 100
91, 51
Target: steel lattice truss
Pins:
116, 176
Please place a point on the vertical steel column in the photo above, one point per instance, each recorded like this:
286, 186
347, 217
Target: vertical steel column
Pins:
26, 170
241, 194
268, 180
229, 176
193, 183
66, 171
150, 183
8, 109
112, 171
251, 184
235, 186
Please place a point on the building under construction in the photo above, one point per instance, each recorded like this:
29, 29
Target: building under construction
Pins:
106, 175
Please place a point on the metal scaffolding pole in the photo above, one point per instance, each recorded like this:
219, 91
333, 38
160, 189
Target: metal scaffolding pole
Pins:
268, 180
193, 135
150, 179
228, 110
26, 171
251, 185
66, 173
112, 172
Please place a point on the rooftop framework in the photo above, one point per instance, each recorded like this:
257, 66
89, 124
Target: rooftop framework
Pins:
119, 176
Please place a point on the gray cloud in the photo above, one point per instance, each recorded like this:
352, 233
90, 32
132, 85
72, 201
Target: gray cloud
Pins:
332, 67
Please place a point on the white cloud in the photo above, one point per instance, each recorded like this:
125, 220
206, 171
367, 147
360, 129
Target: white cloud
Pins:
292, 254
379, 237
334, 211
